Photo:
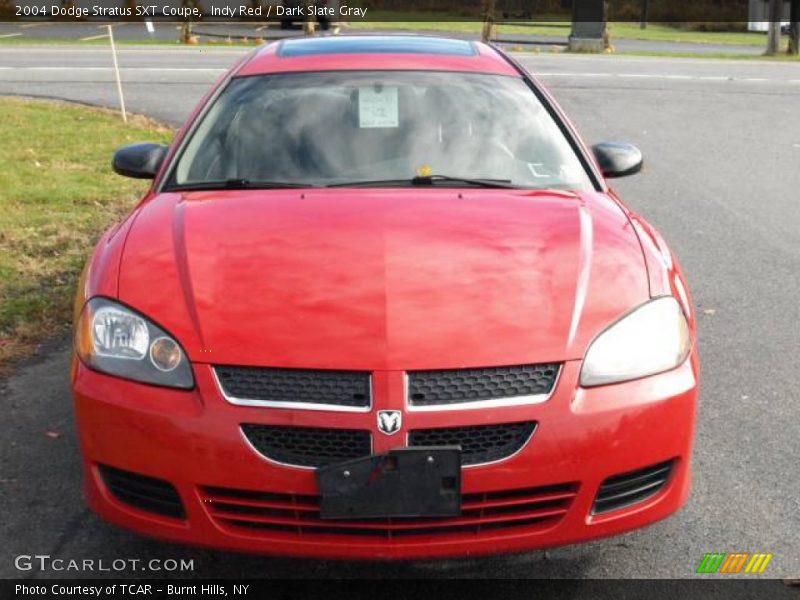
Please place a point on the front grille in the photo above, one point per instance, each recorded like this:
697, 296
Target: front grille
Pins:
458, 386
298, 515
145, 493
308, 446
349, 389
629, 488
479, 443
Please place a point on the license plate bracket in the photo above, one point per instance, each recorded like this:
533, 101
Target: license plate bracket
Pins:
405, 483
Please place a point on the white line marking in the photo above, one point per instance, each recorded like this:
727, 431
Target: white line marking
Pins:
29, 49
8, 35
94, 37
659, 60
667, 77
144, 69
553, 74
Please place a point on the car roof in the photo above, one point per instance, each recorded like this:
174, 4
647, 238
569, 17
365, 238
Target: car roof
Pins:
377, 52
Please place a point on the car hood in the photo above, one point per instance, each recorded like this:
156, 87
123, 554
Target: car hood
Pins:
382, 279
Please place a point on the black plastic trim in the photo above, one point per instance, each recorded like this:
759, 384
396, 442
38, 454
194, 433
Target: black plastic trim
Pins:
627, 489
142, 492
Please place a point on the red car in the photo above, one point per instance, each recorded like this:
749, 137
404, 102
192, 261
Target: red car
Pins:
380, 303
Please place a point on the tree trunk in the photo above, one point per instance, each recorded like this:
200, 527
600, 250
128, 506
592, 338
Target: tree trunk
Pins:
794, 30
774, 33
187, 27
488, 20
7, 11
186, 32
308, 23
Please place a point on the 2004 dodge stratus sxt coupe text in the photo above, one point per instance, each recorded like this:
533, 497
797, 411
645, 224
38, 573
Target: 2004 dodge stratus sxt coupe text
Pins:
379, 302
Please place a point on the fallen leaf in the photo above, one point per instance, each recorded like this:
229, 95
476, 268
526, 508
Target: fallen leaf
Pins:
710, 311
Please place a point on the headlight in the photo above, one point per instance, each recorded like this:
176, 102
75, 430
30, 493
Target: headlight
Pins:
113, 339
652, 339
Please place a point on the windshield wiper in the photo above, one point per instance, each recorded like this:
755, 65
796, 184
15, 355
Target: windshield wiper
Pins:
490, 183
429, 180
236, 184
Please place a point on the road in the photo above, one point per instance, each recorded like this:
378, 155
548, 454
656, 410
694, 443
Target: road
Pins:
722, 145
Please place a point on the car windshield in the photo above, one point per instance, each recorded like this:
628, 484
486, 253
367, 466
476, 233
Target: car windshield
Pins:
378, 128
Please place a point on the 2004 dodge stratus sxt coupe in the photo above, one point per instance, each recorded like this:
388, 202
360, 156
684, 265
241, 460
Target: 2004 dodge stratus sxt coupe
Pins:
380, 303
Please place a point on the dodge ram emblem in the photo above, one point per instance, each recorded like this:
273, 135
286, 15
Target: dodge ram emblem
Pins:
390, 421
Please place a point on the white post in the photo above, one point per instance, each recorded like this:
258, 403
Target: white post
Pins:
116, 73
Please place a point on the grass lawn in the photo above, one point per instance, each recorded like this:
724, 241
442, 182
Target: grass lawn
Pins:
57, 195
619, 30
667, 33
449, 22
444, 22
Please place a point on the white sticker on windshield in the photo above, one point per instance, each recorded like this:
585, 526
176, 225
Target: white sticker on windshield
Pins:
377, 107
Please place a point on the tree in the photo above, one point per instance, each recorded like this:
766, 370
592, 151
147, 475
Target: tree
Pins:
7, 11
488, 20
794, 30
774, 34
308, 22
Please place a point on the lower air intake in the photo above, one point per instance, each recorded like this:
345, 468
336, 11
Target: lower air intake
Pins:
142, 492
630, 488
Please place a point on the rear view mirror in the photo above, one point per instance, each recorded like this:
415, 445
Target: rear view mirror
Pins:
141, 161
617, 159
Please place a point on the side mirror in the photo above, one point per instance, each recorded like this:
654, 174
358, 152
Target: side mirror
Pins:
617, 159
141, 161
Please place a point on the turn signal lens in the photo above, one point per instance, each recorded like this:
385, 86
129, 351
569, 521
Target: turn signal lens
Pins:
165, 354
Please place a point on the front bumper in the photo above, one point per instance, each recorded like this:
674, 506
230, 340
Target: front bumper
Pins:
193, 441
